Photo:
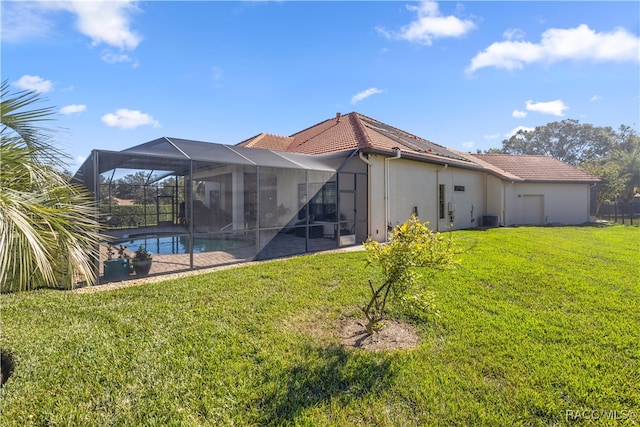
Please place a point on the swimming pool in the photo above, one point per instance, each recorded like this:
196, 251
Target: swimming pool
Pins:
170, 245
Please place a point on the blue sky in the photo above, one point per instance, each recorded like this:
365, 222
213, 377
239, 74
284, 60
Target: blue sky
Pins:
462, 74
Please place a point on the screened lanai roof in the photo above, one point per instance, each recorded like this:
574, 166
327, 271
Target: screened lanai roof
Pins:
176, 148
175, 155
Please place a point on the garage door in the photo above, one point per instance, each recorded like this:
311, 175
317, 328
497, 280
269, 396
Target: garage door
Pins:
533, 210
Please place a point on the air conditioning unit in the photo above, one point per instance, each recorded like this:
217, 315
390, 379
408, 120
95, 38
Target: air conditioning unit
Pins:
489, 220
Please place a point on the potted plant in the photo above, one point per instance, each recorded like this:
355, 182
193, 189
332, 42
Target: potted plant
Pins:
142, 261
116, 268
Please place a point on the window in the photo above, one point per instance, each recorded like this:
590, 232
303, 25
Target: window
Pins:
441, 193
458, 188
323, 203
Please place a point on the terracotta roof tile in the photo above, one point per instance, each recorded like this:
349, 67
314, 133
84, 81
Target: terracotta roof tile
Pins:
356, 131
342, 133
268, 141
536, 168
489, 167
353, 131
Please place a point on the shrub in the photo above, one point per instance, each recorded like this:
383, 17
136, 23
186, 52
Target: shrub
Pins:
411, 245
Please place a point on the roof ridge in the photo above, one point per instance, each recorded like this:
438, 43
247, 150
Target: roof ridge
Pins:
309, 127
276, 135
252, 140
514, 155
361, 134
319, 125
402, 131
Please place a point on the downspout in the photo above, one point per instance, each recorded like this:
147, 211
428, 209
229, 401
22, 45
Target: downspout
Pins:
438, 196
387, 214
368, 163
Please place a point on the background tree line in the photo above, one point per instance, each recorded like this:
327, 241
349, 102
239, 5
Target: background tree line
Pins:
141, 188
613, 156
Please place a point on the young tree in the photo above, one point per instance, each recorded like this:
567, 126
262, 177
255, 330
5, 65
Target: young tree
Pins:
48, 231
411, 245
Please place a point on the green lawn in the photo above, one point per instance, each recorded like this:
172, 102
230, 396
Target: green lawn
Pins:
538, 326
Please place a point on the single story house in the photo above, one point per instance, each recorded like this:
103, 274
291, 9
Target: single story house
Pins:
333, 184
408, 174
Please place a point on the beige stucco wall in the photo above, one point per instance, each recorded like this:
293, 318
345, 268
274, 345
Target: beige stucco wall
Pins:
566, 204
412, 185
494, 190
469, 203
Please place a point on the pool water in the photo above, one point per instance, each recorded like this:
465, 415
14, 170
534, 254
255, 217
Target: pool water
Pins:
169, 245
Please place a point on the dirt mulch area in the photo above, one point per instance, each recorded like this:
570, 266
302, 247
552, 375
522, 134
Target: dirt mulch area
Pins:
394, 335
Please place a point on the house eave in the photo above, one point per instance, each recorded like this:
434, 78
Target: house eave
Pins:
425, 158
559, 181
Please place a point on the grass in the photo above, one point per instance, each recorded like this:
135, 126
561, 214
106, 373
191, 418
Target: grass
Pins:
535, 322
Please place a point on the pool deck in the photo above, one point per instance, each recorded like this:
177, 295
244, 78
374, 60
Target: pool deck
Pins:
281, 245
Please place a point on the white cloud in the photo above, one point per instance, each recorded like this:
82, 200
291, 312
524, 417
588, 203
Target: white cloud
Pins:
365, 94
35, 83
129, 119
110, 57
80, 159
513, 34
519, 114
579, 44
555, 108
73, 109
519, 128
105, 22
468, 144
595, 98
23, 21
492, 136
429, 24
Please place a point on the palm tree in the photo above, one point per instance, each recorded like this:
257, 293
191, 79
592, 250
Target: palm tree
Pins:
627, 159
48, 229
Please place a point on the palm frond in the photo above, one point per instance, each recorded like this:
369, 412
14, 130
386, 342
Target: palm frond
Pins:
48, 232
19, 118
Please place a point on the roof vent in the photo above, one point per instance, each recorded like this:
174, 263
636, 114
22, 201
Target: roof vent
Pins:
337, 117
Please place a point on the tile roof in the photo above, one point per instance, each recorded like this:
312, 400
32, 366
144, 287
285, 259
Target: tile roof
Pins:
533, 168
500, 173
354, 131
267, 141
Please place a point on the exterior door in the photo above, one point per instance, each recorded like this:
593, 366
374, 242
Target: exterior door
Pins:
347, 225
533, 209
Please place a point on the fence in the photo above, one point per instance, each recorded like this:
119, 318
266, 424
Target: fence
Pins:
624, 213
